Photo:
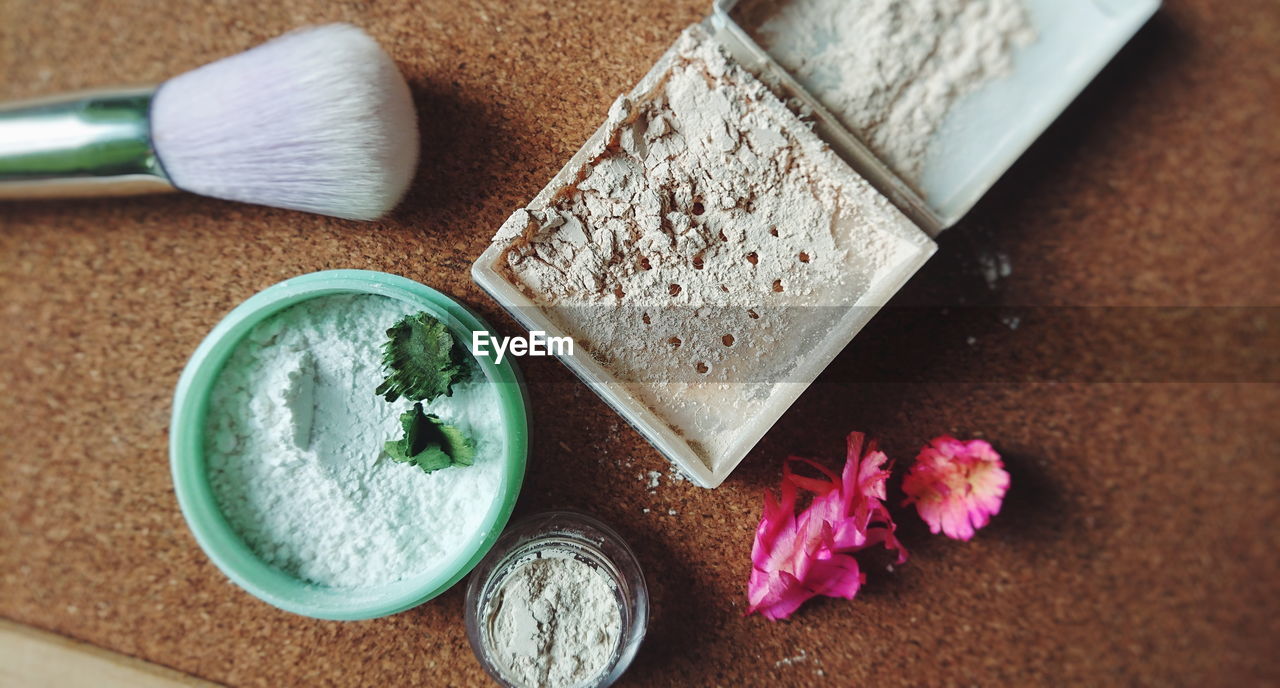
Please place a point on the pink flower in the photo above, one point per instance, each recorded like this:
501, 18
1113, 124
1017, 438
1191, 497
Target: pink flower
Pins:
956, 486
795, 557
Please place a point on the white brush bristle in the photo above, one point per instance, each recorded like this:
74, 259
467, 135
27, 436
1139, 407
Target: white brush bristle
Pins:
317, 120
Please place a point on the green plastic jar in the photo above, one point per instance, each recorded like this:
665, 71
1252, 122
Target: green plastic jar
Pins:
225, 547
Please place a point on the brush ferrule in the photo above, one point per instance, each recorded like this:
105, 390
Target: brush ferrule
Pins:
96, 143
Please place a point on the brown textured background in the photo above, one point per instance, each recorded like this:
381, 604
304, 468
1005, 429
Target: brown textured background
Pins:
1138, 546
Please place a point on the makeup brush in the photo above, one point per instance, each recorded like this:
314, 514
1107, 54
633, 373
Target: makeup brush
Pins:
318, 120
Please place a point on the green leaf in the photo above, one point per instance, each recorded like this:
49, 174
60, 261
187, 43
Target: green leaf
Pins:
422, 360
429, 443
432, 458
462, 449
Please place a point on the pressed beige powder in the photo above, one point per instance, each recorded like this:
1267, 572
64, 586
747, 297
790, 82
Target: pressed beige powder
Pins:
705, 247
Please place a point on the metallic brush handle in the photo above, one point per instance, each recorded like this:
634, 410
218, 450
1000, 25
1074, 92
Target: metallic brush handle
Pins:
86, 144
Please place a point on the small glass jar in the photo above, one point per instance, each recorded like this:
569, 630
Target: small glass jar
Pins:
587, 540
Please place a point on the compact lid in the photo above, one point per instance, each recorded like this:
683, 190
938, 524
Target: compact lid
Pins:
983, 132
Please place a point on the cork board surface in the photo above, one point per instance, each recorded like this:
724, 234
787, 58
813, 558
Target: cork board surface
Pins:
1137, 545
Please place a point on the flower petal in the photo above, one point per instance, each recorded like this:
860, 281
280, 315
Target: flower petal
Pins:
777, 595
796, 557
837, 576
956, 486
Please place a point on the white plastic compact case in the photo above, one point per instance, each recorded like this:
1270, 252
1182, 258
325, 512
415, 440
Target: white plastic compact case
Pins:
981, 137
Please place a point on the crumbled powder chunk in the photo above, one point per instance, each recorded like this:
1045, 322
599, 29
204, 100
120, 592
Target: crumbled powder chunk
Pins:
995, 266
795, 659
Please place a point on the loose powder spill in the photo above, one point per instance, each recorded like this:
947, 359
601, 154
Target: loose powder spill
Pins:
890, 70
554, 622
294, 440
704, 246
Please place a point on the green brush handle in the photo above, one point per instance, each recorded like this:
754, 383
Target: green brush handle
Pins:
85, 144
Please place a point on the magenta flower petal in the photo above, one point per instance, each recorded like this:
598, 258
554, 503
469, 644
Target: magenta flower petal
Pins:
776, 595
796, 557
956, 486
838, 576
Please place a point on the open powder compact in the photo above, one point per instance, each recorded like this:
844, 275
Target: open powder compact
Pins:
772, 182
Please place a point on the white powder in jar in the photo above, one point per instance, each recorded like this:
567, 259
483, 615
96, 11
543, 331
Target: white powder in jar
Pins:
708, 245
891, 70
294, 438
554, 621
